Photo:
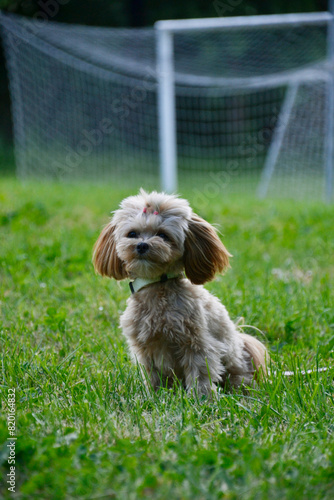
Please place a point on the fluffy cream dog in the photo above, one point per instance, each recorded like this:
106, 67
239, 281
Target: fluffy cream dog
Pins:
174, 326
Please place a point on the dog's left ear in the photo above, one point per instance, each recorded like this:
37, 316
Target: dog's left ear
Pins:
204, 254
105, 259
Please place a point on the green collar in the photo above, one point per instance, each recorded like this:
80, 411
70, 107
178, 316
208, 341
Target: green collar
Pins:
140, 283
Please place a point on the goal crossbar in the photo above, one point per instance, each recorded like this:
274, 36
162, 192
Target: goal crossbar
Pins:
249, 22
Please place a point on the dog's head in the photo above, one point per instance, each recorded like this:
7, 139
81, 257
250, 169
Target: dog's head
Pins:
154, 233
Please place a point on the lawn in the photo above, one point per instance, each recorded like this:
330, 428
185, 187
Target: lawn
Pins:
85, 426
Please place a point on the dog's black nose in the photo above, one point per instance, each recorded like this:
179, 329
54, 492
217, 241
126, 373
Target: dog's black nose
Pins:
142, 248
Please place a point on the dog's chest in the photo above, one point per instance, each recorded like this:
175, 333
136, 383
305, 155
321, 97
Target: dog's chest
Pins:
160, 326
158, 318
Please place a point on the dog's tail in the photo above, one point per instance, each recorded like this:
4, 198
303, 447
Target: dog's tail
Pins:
258, 354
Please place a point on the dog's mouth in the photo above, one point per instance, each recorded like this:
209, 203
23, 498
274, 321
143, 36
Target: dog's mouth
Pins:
151, 263
147, 258
142, 257
143, 267
150, 253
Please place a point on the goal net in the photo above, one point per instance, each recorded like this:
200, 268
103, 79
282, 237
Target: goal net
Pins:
251, 105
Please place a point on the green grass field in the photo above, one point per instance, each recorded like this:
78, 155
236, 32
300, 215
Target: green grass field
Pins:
86, 428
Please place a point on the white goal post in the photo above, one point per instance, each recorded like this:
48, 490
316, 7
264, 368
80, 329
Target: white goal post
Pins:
166, 88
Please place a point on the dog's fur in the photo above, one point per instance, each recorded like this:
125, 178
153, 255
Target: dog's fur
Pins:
175, 328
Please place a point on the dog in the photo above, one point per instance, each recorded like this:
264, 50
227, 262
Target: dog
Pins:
174, 327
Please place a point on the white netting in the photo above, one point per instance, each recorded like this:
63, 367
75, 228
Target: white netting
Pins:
85, 103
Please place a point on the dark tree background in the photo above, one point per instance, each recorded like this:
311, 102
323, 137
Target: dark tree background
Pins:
135, 13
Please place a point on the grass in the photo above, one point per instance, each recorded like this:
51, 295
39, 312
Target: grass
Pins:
85, 426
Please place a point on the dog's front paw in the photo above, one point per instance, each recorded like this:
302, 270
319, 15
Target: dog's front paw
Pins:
202, 391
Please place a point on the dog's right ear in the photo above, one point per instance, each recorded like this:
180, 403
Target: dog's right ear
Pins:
105, 259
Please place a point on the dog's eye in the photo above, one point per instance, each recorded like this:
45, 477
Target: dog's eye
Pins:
163, 236
132, 234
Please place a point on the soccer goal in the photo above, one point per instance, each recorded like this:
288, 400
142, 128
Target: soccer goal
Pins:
241, 104
263, 88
